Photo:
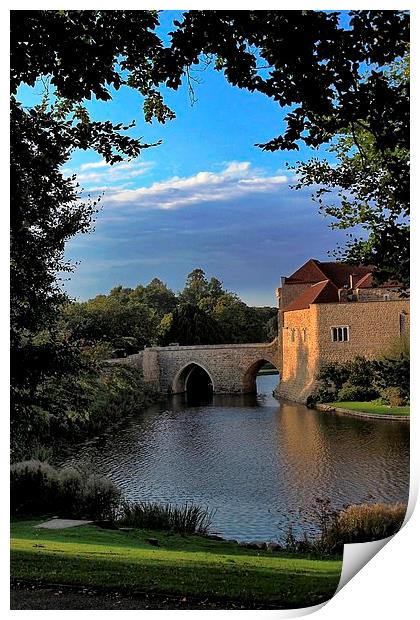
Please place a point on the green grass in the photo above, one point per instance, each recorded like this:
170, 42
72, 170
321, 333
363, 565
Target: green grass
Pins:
191, 566
372, 407
268, 371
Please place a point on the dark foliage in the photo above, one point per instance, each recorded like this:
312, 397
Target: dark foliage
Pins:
334, 528
362, 380
354, 393
39, 489
393, 373
187, 519
191, 325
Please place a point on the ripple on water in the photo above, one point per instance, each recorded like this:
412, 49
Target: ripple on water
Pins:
253, 461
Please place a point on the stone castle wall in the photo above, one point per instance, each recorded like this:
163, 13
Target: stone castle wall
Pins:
378, 294
303, 346
300, 354
372, 327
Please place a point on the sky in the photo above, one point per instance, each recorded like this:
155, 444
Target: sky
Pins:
206, 197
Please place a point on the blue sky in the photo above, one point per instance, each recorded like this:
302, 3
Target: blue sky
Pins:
206, 197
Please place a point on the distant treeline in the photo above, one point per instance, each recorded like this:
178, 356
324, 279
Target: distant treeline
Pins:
128, 319
81, 394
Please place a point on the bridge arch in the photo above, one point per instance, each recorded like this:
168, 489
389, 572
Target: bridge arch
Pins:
192, 377
249, 383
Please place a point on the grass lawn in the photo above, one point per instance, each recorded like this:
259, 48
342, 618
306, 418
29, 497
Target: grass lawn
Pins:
192, 566
268, 371
372, 407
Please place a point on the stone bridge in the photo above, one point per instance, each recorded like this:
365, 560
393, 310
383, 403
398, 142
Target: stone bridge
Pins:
230, 368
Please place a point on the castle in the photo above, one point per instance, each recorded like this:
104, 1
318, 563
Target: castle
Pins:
331, 312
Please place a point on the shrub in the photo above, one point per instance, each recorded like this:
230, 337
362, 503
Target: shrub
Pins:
393, 372
34, 486
101, 498
39, 489
360, 372
394, 396
187, 519
356, 393
69, 499
354, 524
334, 377
368, 522
321, 395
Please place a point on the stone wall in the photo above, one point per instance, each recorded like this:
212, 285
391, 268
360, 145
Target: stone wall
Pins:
372, 328
232, 368
300, 354
378, 294
289, 293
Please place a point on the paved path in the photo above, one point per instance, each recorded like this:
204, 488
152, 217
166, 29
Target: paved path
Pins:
58, 524
65, 597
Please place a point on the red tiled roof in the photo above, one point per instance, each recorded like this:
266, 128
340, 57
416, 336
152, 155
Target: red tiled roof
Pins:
308, 273
367, 282
320, 293
339, 273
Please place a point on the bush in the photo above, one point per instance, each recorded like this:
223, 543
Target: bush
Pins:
393, 372
368, 522
353, 524
360, 372
34, 486
356, 393
321, 395
188, 519
39, 489
69, 499
394, 396
332, 376
101, 498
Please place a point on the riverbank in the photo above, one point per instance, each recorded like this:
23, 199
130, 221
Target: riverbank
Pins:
367, 410
194, 568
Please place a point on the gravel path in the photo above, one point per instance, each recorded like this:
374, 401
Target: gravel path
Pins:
64, 597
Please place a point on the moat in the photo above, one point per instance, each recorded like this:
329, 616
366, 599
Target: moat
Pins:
253, 460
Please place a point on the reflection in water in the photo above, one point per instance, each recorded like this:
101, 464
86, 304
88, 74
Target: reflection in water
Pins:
252, 458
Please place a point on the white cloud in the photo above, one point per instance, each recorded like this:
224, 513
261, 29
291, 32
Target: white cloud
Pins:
237, 179
94, 164
103, 174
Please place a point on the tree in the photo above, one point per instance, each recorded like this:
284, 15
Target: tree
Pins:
78, 54
189, 325
196, 287
335, 80
368, 188
113, 320
160, 298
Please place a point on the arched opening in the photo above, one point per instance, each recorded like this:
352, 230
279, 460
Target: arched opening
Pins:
195, 382
250, 376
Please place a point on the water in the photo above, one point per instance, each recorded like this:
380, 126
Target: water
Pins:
253, 460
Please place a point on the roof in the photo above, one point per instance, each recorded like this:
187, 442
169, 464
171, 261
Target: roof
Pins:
339, 273
321, 292
367, 282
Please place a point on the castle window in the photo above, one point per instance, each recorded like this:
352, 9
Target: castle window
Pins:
340, 333
292, 335
386, 297
304, 336
402, 323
